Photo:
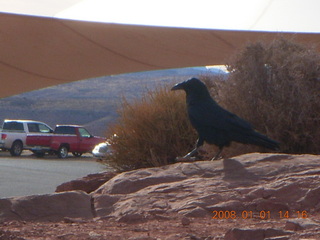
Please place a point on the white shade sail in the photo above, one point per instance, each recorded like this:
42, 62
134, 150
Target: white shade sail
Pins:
38, 52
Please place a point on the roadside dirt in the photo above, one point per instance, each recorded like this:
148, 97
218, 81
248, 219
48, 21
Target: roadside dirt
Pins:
171, 228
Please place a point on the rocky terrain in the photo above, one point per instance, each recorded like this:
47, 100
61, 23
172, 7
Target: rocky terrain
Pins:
252, 196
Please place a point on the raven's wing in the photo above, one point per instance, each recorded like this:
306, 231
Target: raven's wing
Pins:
219, 126
210, 114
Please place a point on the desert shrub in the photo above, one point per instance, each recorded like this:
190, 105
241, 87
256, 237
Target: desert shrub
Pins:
276, 87
151, 131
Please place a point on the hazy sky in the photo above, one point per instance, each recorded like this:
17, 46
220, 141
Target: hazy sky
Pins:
270, 15
279, 15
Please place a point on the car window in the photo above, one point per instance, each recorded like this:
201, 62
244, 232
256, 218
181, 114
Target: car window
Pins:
33, 127
65, 130
44, 128
16, 126
84, 133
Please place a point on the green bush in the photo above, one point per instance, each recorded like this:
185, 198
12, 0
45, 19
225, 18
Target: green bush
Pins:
151, 131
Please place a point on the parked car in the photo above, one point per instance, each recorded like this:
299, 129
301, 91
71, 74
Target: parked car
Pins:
65, 139
102, 150
14, 134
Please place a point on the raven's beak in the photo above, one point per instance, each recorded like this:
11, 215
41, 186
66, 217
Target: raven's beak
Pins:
178, 86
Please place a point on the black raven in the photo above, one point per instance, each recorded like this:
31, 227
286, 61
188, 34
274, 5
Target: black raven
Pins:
216, 125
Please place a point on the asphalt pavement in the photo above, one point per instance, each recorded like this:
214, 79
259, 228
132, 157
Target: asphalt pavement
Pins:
28, 175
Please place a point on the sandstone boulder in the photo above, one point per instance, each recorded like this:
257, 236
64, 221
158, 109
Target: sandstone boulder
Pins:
48, 207
87, 184
252, 182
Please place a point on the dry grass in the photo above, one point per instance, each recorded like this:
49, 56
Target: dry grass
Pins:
151, 131
276, 87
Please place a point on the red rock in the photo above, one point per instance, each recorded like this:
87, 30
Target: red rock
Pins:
311, 199
88, 183
264, 182
300, 224
48, 207
256, 234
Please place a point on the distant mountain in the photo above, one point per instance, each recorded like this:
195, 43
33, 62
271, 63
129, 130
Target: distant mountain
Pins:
92, 102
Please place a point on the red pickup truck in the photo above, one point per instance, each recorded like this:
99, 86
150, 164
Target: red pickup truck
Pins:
64, 139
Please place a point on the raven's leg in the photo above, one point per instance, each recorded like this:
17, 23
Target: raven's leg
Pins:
194, 152
216, 157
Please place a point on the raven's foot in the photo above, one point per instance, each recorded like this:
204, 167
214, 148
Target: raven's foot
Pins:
190, 157
191, 154
217, 156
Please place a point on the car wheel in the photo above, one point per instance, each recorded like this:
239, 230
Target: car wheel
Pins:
16, 148
77, 154
63, 152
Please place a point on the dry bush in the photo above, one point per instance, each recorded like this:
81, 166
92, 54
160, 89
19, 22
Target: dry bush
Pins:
151, 131
273, 86
276, 87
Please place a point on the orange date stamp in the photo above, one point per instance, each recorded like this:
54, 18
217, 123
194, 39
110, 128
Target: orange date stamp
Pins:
263, 215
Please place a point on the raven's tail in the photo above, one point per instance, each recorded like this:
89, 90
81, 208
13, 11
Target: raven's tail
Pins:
261, 140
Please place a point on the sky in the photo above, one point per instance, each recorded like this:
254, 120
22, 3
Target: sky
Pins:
278, 15
266, 15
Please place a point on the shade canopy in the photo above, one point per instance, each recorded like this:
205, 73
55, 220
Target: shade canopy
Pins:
38, 52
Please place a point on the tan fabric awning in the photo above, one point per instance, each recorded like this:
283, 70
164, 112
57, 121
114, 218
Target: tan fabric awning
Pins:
38, 52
